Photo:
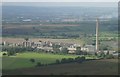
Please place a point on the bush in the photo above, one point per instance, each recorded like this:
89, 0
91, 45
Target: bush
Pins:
4, 54
67, 60
70, 60
79, 59
64, 60
109, 56
10, 53
57, 61
39, 64
17, 49
32, 60
101, 55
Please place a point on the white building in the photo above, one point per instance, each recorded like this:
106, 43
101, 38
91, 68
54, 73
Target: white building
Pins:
89, 48
47, 48
72, 50
27, 44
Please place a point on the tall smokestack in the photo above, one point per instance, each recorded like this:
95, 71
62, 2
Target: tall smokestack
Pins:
97, 24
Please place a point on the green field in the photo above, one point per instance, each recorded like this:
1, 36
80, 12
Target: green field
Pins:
96, 67
22, 60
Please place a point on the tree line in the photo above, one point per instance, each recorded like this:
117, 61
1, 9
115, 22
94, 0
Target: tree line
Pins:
62, 61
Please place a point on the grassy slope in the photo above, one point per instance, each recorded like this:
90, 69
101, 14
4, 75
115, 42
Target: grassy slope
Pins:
97, 67
23, 60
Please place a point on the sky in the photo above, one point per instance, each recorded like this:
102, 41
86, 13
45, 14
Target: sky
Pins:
92, 3
60, 0
89, 4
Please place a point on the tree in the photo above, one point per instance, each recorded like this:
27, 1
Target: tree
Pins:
78, 51
56, 48
78, 48
96, 54
105, 47
40, 41
26, 39
64, 60
102, 55
93, 42
64, 50
107, 53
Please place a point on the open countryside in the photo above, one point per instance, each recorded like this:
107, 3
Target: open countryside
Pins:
23, 60
69, 40
77, 69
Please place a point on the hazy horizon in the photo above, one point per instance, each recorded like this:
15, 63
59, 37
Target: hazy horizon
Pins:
62, 4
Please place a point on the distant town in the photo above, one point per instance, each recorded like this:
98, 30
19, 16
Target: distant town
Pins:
78, 39
48, 46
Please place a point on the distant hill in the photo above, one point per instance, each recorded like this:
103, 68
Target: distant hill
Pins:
13, 24
11, 13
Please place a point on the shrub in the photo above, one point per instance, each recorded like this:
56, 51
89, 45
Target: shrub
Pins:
77, 58
57, 61
64, 60
70, 60
39, 64
4, 54
32, 60
10, 53
109, 56
80, 59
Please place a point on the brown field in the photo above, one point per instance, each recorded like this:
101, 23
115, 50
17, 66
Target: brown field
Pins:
96, 67
60, 25
8, 26
20, 40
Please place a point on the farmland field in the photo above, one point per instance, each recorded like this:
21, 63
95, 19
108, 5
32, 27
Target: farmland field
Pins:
22, 60
20, 40
97, 67
37, 39
21, 64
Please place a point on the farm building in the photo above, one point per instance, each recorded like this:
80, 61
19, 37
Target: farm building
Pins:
89, 48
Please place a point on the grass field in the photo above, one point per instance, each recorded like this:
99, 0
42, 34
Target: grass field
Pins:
22, 60
96, 67
21, 65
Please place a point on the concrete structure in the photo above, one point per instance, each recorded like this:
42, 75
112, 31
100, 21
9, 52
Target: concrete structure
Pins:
97, 24
4, 42
84, 49
72, 50
110, 52
89, 48
27, 44
47, 48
